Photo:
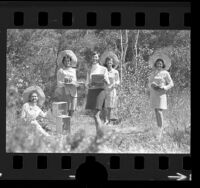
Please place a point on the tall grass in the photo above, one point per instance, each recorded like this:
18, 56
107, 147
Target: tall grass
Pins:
135, 133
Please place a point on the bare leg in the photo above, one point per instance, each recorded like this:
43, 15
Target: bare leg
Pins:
97, 118
98, 123
159, 117
108, 111
71, 112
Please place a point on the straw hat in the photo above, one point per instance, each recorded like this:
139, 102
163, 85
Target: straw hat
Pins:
41, 95
65, 53
160, 55
111, 55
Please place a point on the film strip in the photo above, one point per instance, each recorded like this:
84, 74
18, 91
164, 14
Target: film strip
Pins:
90, 16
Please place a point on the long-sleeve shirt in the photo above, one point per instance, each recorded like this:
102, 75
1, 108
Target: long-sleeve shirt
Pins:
111, 92
69, 73
97, 70
30, 112
113, 75
162, 79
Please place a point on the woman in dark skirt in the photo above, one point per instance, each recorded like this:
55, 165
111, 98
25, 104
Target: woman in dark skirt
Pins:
97, 80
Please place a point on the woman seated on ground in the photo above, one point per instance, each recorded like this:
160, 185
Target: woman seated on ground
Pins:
33, 96
67, 80
111, 92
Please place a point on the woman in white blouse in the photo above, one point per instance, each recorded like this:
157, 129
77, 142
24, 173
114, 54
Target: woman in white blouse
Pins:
31, 111
67, 80
111, 92
160, 82
96, 89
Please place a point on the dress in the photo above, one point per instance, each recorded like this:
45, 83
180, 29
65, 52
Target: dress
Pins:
111, 92
96, 95
158, 99
30, 113
68, 92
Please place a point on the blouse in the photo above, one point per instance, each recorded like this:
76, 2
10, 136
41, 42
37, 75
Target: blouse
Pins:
96, 70
30, 112
161, 78
113, 75
69, 73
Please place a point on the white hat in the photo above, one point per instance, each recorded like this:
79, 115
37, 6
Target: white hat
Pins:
111, 55
27, 92
160, 55
65, 53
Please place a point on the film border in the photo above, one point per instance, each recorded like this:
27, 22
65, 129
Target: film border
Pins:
176, 16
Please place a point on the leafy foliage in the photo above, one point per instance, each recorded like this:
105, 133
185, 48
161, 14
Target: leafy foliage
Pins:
32, 59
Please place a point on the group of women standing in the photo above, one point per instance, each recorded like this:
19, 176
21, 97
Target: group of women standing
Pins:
101, 83
102, 96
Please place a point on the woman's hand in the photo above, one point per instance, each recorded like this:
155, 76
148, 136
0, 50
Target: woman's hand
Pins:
105, 81
155, 86
68, 80
163, 88
90, 85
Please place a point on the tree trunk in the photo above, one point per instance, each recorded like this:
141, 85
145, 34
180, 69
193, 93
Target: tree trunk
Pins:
136, 48
124, 47
58, 51
122, 52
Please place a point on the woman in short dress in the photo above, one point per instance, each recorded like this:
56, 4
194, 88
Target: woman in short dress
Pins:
160, 82
33, 96
111, 92
67, 81
96, 93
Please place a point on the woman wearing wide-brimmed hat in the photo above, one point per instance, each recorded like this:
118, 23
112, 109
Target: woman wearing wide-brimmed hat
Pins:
111, 61
66, 80
33, 98
97, 81
160, 82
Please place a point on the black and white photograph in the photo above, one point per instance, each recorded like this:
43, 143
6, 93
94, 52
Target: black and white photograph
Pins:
98, 91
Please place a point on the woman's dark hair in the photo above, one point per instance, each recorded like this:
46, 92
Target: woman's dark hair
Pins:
31, 93
95, 53
64, 59
163, 64
106, 62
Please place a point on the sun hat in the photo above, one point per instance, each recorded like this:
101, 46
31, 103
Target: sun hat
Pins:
65, 53
160, 55
110, 54
29, 90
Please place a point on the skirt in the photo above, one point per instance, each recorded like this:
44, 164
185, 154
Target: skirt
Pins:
111, 99
60, 96
95, 99
158, 100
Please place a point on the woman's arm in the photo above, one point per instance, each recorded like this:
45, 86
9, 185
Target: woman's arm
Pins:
106, 78
60, 78
23, 113
42, 114
169, 82
117, 80
87, 80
